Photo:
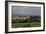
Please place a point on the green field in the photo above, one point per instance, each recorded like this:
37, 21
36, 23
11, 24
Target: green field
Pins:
28, 23
34, 24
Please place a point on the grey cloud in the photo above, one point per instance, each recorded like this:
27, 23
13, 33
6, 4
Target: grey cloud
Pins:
26, 10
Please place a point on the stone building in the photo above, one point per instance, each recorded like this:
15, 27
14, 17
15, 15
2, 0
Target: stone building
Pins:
21, 17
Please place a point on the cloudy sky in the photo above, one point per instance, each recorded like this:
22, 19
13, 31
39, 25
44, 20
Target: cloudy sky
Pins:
26, 10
